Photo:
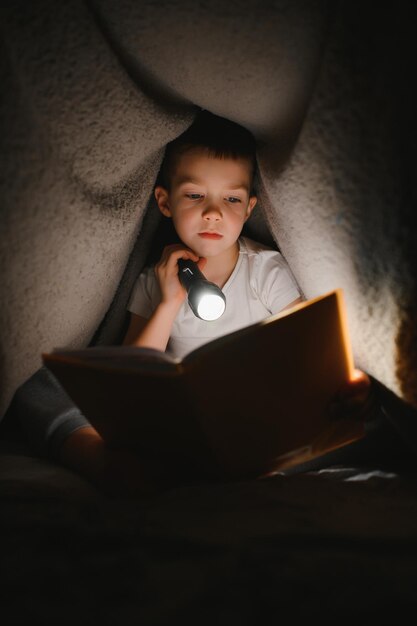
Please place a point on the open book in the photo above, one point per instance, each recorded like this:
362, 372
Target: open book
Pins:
246, 404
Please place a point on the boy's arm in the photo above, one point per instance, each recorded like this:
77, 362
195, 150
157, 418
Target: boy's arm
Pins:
153, 332
46, 414
115, 472
55, 428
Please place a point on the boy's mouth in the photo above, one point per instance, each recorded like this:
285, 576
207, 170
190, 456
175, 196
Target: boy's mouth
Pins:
210, 235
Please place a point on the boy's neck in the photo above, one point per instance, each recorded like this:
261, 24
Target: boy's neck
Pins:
220, 267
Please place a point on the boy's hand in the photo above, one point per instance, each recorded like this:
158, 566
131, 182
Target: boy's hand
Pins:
167, 272
355, 399
117, 473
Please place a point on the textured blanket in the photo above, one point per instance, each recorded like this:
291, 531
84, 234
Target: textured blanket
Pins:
90, 94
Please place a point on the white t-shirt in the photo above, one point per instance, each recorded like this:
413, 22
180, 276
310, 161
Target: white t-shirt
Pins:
260, 285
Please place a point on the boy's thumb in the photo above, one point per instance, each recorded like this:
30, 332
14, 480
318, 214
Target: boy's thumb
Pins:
201, 264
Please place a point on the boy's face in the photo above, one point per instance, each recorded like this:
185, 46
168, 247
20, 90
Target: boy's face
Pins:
209, 201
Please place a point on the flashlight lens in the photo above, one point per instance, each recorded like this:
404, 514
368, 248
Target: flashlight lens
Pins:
210, 307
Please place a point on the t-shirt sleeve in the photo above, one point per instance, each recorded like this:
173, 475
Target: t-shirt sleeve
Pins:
277, 286
145, 294
46, 413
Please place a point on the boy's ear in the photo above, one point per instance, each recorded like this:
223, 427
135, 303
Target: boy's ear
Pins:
162, 198
252, 201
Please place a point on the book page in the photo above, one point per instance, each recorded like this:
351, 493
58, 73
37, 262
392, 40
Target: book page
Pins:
262, 392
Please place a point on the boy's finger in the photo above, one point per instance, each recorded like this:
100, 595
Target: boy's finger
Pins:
177, 250
170, 260
360, 376
361, 405
358, 386
184, 254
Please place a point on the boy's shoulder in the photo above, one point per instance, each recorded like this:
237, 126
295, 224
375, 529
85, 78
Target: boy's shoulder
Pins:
146, 279
252, 248
261, 259
148, 272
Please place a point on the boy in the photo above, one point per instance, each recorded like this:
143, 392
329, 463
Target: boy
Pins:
208, 193
206, 188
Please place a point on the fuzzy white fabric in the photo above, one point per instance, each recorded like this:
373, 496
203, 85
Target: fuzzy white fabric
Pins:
92, 92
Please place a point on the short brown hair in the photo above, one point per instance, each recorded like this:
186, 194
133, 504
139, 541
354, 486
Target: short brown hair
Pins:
221, 138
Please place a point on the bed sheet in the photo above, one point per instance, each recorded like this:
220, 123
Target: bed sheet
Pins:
334, 543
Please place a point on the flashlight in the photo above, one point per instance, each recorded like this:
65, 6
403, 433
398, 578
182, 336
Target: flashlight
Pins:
206, 299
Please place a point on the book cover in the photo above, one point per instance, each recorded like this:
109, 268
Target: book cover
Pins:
246, 404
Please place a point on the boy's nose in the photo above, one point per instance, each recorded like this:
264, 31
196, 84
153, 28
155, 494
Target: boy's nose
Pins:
212, 213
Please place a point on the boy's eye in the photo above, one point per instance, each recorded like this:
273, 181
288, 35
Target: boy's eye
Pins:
193, 196
197, 196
